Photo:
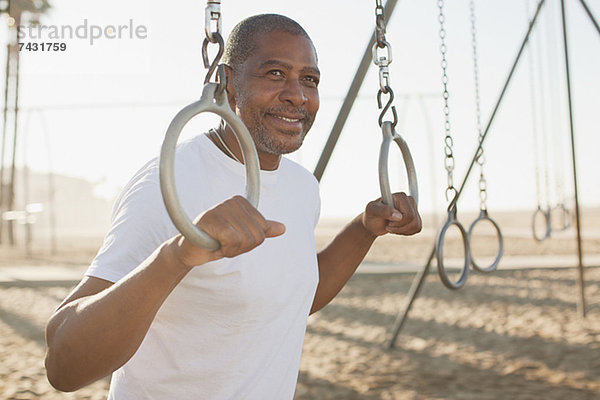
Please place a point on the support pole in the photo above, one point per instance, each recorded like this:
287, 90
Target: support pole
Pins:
580, 279
413, 292
420, 278
359, 77
4, 131
589, 13
11, 189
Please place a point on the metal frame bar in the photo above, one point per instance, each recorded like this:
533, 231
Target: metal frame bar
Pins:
4, 133
13, 165
581, 306
580, 279
589, 13
357, 81
420, 278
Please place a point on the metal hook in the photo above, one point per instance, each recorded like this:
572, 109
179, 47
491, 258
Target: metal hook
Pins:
388, 90
207, 64
222, 80
452, 202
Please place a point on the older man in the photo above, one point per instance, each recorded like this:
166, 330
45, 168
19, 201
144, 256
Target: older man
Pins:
172, 321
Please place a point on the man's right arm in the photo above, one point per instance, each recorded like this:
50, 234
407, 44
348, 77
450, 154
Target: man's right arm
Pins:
100, 326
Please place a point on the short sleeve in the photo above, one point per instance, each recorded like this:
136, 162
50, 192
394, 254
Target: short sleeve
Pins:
140, 224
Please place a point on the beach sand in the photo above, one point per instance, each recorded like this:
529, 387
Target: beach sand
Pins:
510, 334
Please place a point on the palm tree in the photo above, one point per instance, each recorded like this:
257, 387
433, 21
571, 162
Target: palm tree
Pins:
18, 10
34, 8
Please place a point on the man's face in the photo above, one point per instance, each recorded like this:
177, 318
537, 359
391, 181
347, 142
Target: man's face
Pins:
275, 91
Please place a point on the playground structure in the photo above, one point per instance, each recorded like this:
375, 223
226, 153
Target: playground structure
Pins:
436, 251
421, 348
387, 12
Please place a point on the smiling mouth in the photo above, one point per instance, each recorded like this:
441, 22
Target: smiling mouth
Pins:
289, 120
286, 119
287, 123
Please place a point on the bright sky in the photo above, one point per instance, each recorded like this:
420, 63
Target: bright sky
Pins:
106, 106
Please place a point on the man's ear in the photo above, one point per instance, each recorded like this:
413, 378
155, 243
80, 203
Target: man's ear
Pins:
230, 87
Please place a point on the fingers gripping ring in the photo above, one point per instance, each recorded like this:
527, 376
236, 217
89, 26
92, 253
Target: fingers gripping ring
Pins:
213, 101
540, 237
390, 134
483, 216
439, 254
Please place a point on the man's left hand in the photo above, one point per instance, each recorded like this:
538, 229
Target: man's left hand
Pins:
402, 219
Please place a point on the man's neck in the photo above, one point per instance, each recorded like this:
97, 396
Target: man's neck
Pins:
268, 162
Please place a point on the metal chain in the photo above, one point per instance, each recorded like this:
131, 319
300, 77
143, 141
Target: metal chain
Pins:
541, 74
534, 116
557, 124
382, 57
448, 140
480, 156
212, 29
380, 23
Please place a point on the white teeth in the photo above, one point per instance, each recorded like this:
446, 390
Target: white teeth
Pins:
287, 119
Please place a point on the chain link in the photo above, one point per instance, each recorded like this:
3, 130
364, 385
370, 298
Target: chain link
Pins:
382, 50
475, 66
449, 161
382, 57
480, 155
380, 24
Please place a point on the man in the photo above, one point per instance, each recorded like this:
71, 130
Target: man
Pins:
177, 322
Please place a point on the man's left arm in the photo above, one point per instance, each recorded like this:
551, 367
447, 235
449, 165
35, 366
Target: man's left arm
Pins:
341, 257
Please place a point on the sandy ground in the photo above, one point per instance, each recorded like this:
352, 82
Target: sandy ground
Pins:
511, 334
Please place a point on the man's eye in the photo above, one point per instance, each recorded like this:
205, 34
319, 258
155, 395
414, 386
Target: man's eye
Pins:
312, 80
275, 72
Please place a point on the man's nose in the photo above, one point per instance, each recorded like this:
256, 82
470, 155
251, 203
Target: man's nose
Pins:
293, 93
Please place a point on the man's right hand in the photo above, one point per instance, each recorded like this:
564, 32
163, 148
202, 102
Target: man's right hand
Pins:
237, 225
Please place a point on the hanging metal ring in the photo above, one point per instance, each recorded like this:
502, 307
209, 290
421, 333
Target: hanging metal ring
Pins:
439, 253
483, 216
390, 134
565, 217
215, 101
547, 232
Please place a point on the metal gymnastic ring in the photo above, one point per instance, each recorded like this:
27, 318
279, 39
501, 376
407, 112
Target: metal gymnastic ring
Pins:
548, 230
214, 100
439, 253
483, 216
565, 217
390, 134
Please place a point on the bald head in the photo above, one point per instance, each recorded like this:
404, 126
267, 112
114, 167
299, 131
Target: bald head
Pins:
241, 41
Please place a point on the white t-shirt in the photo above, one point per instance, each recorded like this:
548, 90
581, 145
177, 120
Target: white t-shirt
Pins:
233, 328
